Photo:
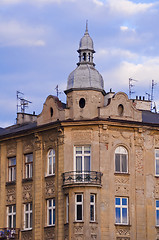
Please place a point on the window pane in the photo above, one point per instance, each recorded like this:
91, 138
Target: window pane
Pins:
124, 162
157, 217
92, 198
53, 216
157, 153
87, 149
79, 163
124, 215
157, 166
87, 163
117, 162
124, 201
30, 220
117, 214
79, 212
10, 222
26, 220
14, 208
92, 212
50, 217
78, 150
117, 201
157, 203
10, 209
79, 198
30, 206
14, 221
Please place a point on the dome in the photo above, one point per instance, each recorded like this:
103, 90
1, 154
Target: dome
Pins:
85, 76
86, 42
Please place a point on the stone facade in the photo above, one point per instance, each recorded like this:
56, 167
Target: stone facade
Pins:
84, 170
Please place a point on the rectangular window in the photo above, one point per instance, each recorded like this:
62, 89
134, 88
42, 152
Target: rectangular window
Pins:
29, 165
67, 208
82, 162
51, 162
157, 161
51, 212
121, 210
92, 207
12, 169
157, 212
11, 216
28, 216
79, 207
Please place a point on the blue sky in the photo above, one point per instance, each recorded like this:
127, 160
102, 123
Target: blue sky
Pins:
39, 39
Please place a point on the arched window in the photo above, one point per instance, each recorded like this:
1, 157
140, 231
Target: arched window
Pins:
121, 160
51, 162
84, 56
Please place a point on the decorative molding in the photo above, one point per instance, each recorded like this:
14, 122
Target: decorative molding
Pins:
49, 233
49, 187
11, 196
122, 189
122, 238
27, 235
11, 149
123, 231
78, 229
157, 141
139, 166
79, 237
122, 180
27, 192
28, 146
82, 135
37, 142
93, 236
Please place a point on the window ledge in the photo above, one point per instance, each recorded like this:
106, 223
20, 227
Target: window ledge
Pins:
157, 226
49, 226
10, 183
121, 173
49, 176
26, 230
78, 222
27, 180
122, 224
93, 222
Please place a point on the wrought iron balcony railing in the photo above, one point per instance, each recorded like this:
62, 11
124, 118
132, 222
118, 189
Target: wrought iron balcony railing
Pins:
75, 177
9, 233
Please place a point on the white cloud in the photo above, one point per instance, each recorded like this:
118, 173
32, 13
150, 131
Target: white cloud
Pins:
99, 3
128, 7
143, 72
13, 33
115, 52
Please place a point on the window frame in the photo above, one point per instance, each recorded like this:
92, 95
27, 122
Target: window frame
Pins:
157, 211
82, 155
67, 208
156, 159
118, 150
11, 214
28, 213
76, 206
29, 165
53, 162
93, 204
11, 170
121, 207
51, 208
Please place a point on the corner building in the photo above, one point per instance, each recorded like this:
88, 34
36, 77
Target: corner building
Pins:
87, 169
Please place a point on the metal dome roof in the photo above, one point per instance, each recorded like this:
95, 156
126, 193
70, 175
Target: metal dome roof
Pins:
85, 76
86, 42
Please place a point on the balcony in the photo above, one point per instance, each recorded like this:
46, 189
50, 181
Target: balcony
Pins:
9, 233
84, 178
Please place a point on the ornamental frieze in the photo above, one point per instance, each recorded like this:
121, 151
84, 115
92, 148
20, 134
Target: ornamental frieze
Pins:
27, 235
28, 146
82, 135
78, 229
11, 196
49, 187
27, 192
11, 149
124, 231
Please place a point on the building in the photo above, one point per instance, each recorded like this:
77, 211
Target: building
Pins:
87, 169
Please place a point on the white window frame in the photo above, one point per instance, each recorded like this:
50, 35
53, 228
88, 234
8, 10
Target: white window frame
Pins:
156, 159
52, 209
121, 151
78, 204
11, 169
93, 205
157, 210
11, 214
121, 206
67, 208
28, 221
83, 173
28, 166
51, 156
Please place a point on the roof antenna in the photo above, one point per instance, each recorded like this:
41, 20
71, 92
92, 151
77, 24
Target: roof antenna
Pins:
22, 103
131, 85
57, 91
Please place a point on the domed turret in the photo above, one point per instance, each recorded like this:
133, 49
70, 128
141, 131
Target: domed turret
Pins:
85, 76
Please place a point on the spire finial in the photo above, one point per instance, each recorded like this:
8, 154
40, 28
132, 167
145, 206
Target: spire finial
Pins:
86, 26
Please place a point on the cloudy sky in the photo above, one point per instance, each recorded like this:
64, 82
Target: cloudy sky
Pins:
39, 39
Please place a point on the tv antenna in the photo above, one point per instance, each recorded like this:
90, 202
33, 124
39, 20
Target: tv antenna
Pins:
152, 94
57, 91
22, 103
131, 85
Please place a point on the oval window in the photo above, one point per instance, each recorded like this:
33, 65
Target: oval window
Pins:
120, 109
82, 103
51, 111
